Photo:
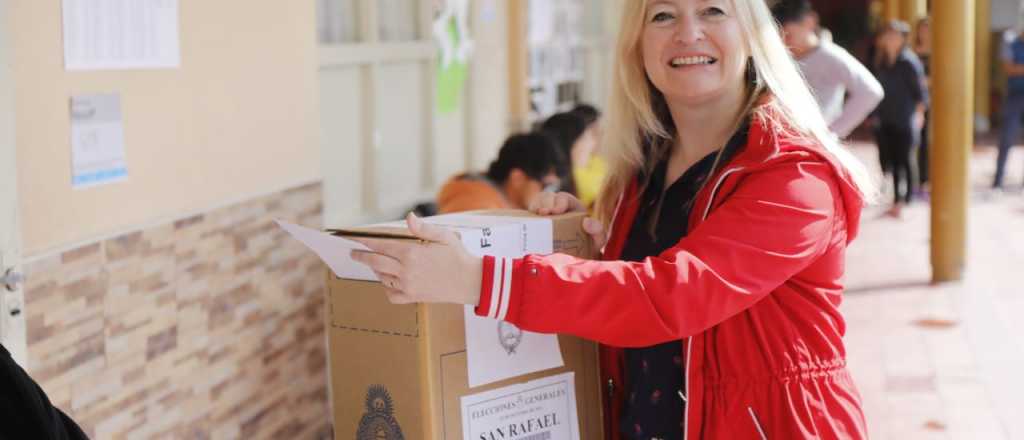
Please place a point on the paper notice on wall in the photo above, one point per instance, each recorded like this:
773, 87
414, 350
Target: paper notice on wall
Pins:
451, 31
97, 140
120, 34
543, 409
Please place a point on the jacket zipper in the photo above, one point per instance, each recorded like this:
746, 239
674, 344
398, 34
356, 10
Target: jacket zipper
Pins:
689, 340
757, 423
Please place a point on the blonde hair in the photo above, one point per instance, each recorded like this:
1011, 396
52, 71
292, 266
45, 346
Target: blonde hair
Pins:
637, 115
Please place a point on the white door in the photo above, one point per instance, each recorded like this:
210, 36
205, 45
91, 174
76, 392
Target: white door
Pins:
12, 315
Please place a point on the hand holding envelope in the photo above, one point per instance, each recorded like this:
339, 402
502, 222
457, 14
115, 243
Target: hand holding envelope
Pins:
442, 271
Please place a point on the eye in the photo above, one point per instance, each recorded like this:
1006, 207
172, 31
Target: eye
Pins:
661, 17
713, 12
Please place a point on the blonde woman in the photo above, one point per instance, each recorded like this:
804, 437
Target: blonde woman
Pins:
729, 207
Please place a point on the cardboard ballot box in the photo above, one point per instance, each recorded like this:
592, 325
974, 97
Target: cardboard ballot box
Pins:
400, 371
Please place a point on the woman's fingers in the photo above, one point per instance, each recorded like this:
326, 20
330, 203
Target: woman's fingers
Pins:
596, 231
393, 289
382, 264
427, 232
555, 203
562, 203
396, 297
392, 248
542, 203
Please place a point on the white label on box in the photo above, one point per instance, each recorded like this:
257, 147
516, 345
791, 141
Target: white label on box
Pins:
497, 350
543, 409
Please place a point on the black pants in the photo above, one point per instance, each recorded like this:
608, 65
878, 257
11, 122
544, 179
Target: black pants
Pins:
922, 150
26, 411
896, 146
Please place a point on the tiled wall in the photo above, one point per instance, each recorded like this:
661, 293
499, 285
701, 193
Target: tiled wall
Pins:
210, 327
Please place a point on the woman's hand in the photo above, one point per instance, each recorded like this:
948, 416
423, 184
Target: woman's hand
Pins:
439, 271
547, 203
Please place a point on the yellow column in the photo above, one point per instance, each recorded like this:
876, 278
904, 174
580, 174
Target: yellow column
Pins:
983, 65
953, 49
892, 9
913, 10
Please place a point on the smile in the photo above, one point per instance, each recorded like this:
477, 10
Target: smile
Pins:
692, 61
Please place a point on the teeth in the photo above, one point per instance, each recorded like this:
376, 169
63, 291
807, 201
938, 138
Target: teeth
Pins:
690, 61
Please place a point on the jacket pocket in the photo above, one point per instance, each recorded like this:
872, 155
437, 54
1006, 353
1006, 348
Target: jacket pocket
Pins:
757, 423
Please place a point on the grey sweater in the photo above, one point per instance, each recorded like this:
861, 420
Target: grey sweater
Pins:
832, 73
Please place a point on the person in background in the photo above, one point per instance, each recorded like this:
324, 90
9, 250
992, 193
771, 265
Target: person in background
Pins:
591, 115
577, 142
25, 411
569, 131
923, 49
589, 176
526, 165
845, 89
901, 113
1013, 106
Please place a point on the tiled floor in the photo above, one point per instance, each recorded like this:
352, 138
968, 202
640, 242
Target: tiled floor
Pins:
946, 361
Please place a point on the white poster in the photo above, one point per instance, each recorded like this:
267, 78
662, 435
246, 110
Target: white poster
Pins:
120, 34
497, 350
543, 409
97, 140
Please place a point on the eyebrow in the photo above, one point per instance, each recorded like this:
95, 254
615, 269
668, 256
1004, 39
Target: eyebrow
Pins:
671, 3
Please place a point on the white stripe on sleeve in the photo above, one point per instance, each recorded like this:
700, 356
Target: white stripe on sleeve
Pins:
506, 289
492, 312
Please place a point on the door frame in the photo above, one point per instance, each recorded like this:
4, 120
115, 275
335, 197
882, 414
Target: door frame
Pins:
12, 314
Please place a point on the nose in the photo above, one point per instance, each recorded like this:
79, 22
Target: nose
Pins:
688, 30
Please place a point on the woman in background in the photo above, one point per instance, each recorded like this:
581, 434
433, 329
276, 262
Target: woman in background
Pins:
577, 141
901, 112
590, 176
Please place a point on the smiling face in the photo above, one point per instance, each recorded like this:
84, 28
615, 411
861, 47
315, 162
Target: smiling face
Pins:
693, 50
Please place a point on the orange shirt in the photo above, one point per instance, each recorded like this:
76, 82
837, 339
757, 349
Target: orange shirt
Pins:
469, 192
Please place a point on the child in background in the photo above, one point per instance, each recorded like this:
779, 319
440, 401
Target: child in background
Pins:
590, 176
578, 142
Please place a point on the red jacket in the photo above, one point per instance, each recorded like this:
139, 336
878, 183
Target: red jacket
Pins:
753, 291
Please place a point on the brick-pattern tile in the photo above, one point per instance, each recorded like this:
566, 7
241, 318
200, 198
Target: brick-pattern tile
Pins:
208, 327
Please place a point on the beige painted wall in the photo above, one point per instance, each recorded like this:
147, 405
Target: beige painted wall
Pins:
238, 119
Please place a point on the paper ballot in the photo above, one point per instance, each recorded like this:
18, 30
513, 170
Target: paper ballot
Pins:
333, 250
495, 350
